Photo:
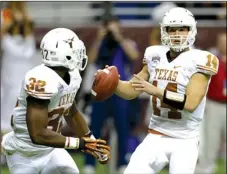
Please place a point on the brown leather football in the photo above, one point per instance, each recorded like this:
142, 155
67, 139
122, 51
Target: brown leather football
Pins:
105, 83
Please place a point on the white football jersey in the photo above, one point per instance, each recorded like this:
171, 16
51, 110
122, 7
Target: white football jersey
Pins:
175, 76
43, 83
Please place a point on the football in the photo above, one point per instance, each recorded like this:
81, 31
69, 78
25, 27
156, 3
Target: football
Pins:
105, 83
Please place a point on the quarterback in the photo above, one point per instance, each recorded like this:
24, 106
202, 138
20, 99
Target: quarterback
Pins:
46, 101
177, 78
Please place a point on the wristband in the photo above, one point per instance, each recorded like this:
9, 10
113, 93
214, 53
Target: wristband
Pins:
72, 143
174, 99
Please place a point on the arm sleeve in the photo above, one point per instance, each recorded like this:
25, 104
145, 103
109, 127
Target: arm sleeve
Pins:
40, 85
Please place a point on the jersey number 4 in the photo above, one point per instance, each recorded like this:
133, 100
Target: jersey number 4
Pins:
173, 113
36, 85
212, 61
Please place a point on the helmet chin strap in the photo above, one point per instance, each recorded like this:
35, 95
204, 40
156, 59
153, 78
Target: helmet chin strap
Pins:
179, 49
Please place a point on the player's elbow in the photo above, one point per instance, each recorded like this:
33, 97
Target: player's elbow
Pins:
192, 105
126, 96
130, 97
190, 109
37, 138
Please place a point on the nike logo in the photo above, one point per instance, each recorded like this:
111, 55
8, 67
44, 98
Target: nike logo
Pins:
176, 67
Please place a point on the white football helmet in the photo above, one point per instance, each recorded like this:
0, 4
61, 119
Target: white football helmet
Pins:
62, 47
178, 17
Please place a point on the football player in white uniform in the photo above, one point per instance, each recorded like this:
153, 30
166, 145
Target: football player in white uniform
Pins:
177, 78
36, 145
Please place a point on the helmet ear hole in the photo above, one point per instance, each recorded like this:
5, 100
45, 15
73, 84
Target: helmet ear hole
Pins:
68, 57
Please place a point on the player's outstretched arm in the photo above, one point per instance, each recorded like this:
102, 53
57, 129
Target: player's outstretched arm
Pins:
196, 90
125, 89
79, 127
37, 123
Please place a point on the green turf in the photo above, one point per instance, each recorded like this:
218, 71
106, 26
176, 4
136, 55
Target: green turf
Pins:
101, 169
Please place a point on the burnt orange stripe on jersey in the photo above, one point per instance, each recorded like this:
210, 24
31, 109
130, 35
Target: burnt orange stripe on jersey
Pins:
203, 69
38, 93
152, 131
207, 68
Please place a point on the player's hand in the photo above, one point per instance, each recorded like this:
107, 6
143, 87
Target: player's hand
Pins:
142, 85
104, 157
97, 148
99, 70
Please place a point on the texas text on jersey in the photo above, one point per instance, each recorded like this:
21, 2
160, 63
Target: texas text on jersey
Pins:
174, 76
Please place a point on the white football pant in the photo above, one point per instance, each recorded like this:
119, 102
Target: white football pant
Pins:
157, 150
56, 162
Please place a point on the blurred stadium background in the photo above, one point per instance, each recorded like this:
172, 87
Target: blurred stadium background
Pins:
139, 21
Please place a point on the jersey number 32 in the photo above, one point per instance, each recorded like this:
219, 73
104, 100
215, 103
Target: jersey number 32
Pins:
36, 85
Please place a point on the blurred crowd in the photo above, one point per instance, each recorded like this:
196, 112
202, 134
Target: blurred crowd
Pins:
198, 9
18, 47
110, 47
206, 4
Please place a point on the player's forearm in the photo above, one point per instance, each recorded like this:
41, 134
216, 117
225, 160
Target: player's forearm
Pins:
126, 91
190, 104
49, 138
78, 124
